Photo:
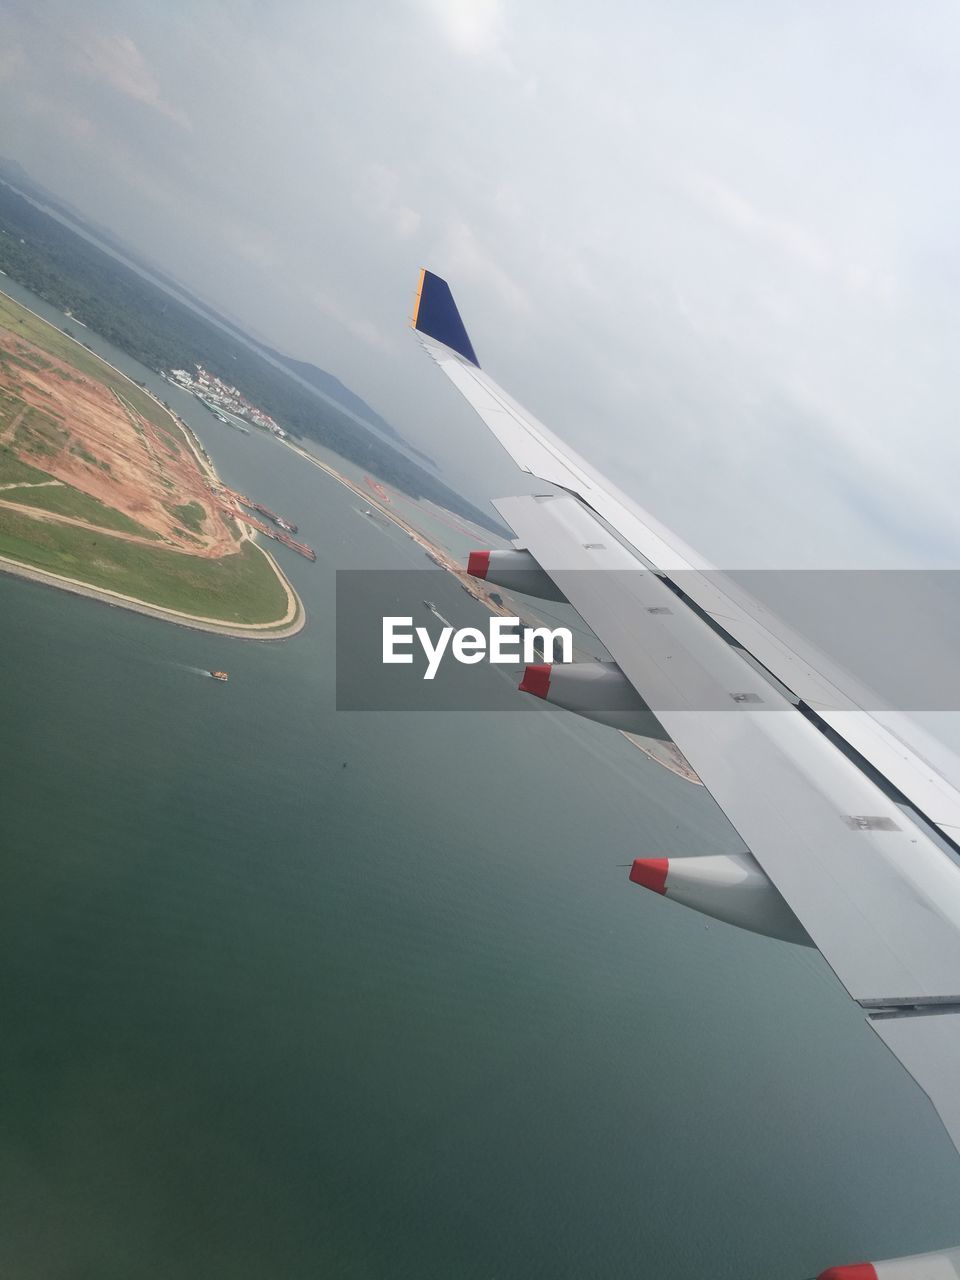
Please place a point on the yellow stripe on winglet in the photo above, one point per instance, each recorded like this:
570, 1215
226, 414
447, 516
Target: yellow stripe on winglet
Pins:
416, 301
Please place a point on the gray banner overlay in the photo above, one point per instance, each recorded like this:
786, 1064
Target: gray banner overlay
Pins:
889, 640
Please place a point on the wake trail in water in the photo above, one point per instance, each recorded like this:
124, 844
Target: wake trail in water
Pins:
437, 614
371, 519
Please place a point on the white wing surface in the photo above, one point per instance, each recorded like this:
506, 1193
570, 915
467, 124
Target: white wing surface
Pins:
856, 831
810, 677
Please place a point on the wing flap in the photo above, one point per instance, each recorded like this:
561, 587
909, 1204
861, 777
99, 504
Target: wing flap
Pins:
928, 1045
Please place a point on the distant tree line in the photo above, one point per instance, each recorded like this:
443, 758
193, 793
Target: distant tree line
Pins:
74, 275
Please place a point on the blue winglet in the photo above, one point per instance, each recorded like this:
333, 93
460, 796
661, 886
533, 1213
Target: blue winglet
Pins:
435, 314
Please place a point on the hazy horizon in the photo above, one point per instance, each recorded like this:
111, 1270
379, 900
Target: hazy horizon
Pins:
713, 250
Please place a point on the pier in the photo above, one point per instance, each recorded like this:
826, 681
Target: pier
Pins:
231, 502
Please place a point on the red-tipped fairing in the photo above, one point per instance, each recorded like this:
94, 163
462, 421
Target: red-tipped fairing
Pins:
730, 887
855, 1271
942, 1265
514, 571
478, 562
597, 690
536, 679
651, 873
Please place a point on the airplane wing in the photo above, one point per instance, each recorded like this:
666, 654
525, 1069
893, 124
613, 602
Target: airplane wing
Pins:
854, 836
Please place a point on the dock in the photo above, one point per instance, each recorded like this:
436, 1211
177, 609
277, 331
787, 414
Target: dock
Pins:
231, 502
276, 534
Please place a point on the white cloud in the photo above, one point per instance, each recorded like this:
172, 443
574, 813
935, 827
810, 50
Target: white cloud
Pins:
378, 198
464, 258
12, 62
474, 27
368, 333
252, 244
329, 304
789, 237
115, 60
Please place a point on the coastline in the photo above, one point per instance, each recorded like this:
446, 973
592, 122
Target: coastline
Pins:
295, 619
290, 624
440, 555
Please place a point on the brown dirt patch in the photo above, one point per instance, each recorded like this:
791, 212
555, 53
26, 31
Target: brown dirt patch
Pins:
84, 434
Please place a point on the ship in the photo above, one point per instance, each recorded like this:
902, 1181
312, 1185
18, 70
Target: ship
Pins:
220, 675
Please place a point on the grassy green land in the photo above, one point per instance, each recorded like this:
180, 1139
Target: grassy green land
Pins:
13, 471
67, 501
40, 434
191, 515
241, 588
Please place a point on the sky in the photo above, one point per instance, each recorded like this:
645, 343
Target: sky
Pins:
714, 247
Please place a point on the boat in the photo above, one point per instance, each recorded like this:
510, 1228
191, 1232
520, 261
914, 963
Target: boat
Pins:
220, 675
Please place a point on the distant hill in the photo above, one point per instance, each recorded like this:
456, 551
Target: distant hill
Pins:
334, 388
13, 172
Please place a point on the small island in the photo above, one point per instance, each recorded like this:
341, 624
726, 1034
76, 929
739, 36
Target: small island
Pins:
105, 492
